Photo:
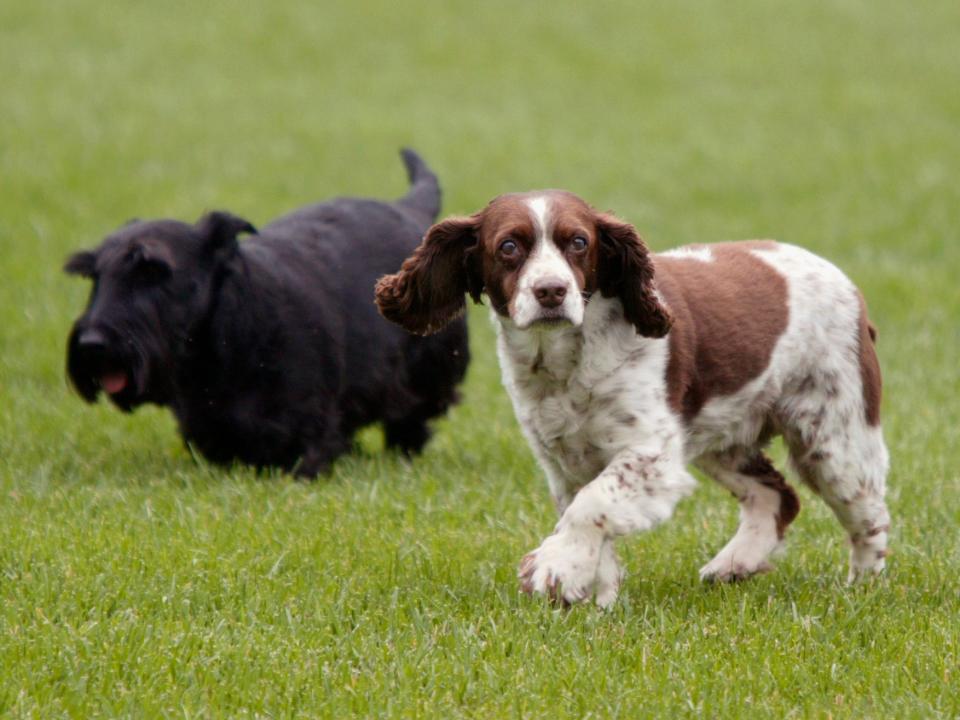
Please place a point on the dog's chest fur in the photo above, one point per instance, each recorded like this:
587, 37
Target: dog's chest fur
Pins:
576, 391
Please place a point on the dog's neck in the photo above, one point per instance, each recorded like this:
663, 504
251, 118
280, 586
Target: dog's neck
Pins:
548, 353
210, 344
550, 356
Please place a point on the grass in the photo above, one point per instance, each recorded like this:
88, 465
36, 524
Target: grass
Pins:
137, 581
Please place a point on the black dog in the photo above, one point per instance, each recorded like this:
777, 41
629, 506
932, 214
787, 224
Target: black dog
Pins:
271, 351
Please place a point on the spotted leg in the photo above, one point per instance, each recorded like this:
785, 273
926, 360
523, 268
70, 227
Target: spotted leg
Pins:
636, 491
848, 469
767, 506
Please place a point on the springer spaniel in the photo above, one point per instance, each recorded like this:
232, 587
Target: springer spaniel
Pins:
624, 367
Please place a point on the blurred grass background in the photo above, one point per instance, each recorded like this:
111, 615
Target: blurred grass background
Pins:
135, 581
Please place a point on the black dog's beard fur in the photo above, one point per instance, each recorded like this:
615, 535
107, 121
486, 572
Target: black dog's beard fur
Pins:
125, 354
270, 352
88, 366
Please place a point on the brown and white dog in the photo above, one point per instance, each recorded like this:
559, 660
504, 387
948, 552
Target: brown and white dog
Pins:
624, 367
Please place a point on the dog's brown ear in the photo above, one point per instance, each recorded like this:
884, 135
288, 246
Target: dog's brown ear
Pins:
625, 271
429, 290
82, 263
218, 231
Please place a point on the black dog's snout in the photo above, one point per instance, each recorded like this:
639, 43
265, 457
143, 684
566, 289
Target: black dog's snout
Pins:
90, 339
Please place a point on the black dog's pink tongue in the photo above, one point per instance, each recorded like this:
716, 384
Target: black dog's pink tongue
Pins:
113, 382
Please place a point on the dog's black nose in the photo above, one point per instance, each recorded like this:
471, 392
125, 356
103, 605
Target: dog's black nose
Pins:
91, 338
550, 292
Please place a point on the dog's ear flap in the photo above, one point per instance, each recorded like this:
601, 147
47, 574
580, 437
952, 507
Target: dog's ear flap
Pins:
82, 263
429, 291
218, 232
625, 271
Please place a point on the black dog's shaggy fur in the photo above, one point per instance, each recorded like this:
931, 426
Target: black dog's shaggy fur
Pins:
269, 351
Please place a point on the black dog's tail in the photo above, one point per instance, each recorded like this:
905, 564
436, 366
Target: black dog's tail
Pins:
424, 194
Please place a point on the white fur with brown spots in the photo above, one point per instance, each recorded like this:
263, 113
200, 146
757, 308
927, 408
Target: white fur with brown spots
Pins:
592, 403
624, 368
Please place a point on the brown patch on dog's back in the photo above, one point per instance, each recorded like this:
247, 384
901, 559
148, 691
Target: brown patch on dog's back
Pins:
728, 315
869, 366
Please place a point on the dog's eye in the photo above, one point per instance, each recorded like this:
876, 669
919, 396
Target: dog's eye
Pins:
153, 271
578, 244
147, 268
508, 248
150, 270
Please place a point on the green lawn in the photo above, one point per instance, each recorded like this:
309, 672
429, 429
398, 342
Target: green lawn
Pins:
137, 581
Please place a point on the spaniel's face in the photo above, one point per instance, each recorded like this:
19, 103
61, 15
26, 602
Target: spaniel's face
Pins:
539, 257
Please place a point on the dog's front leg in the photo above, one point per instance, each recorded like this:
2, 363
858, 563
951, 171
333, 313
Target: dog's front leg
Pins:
322, 448
562, 488
312, 463
636, 491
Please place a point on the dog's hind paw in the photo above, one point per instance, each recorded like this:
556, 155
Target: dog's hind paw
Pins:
726, 567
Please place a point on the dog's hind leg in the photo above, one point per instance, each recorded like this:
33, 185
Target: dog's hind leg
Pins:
767, 506
434, 368
832, 427
846, 463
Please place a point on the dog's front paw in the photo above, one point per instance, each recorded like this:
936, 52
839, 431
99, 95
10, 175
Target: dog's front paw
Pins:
865, 563
609, 576
571, 567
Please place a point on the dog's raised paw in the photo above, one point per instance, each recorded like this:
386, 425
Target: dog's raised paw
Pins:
570, 568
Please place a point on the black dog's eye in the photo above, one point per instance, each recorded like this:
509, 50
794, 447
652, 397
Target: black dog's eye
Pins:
508, 248
153, 271
578, 244
148, 269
